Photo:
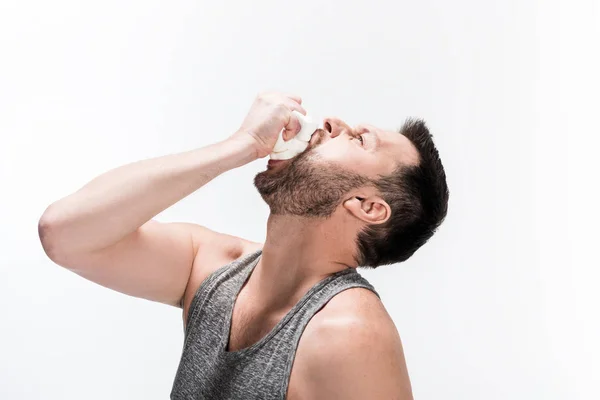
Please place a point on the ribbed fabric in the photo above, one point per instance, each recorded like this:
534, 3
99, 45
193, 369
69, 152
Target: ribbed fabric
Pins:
262, 370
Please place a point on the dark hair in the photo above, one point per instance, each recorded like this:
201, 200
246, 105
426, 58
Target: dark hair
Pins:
418, 197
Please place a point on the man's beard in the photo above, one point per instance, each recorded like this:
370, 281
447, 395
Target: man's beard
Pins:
307, 186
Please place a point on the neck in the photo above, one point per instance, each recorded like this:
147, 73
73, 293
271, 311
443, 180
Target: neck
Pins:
299, 252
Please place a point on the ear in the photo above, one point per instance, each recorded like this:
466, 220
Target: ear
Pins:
371, 209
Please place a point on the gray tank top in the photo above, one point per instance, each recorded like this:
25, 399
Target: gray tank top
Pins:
262, 370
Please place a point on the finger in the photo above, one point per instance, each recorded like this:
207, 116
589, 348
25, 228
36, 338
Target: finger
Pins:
297, 99
293, 106
292, 128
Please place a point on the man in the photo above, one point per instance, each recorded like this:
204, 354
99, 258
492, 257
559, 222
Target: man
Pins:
290, 317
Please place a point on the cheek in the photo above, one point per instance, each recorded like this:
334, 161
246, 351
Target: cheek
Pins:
347, 155
332, 151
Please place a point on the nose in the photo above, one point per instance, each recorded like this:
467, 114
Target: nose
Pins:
335, 126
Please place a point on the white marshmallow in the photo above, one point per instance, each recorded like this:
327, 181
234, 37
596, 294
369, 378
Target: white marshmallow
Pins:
280, 145
284, 155
284, 150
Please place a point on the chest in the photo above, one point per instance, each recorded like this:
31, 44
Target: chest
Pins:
249, 327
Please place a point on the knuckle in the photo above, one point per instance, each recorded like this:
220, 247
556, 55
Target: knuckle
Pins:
280, 106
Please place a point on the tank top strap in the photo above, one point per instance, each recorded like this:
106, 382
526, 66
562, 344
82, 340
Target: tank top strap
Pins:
220, 286
322, 293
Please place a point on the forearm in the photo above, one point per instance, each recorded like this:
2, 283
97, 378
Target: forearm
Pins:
118, 202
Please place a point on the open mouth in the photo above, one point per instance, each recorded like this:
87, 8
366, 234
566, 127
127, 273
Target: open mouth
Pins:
273, 163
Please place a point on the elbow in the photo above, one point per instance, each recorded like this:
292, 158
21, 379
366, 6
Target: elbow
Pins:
48, 225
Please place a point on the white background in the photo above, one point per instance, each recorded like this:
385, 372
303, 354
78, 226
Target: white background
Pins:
501, 304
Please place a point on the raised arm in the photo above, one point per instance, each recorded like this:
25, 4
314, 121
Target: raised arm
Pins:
105, 232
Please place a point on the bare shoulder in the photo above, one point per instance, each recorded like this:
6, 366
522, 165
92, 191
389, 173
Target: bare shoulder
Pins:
213, 250
352, 307
351, 349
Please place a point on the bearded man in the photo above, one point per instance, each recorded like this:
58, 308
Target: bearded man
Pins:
288, 318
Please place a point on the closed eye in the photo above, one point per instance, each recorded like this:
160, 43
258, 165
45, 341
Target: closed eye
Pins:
368, 138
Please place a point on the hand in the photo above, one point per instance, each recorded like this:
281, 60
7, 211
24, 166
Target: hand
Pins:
269, 115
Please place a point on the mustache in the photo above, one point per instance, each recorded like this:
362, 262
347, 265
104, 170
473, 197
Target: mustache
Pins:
321, 133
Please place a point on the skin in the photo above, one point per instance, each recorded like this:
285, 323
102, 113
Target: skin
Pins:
350, 349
